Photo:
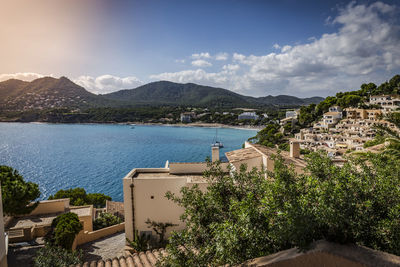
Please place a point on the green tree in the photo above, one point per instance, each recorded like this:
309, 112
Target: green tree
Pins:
269, 136
17, 194
57, 257
104, 220
79, 197
243, 215
64, 229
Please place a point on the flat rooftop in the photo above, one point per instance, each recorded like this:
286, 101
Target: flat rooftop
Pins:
29, 221
167, 175
242, 154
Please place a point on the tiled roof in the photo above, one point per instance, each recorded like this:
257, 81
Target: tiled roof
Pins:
142, 259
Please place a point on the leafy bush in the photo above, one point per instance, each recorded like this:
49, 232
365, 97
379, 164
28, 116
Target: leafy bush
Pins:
79, 197
16, 193
64, 229
106, 219
57, 257
244, 215
139, 243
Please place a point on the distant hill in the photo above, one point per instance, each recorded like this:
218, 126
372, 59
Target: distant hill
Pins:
48, 92
169, 93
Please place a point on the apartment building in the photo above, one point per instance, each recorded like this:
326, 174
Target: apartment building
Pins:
389, 103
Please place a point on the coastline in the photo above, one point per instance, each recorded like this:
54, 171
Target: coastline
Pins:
193, 124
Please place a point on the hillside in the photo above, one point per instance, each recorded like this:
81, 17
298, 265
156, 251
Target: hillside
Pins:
169, 93
48, 92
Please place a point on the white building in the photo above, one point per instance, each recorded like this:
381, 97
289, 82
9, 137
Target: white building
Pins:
291, 114
389, 103
248, 116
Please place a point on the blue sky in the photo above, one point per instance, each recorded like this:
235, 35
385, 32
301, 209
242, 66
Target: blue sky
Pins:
253, 47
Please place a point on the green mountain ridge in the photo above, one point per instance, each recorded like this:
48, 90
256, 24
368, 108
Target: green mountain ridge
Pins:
49, 92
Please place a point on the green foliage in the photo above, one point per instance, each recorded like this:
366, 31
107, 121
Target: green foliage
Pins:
160, 229
79, 197
269, 136
139, 243
243, 215
104, 220
16, 193
57, 257
64, 229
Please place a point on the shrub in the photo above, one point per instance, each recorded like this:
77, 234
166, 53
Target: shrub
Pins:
79, 197
64, 229
57, 257
106, 219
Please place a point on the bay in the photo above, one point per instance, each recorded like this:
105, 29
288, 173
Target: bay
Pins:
97, 156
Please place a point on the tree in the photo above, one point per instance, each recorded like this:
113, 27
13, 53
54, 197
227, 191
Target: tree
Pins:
243, 215
17, 194
57, 257
269, 136
64, 229
105, 220
79, 197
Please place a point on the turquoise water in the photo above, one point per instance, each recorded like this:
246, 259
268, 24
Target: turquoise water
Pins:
97, 156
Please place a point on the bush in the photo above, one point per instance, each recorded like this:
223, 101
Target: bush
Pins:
64, 229
105, 220
57, 257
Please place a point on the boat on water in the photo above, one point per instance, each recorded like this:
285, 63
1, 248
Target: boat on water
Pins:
217, 143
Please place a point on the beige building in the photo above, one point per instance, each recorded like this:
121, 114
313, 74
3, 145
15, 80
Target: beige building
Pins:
145, 188
38, 222
3, 237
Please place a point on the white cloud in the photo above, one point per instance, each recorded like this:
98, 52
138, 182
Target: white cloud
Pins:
221, 56
107, 83
180, 61
24, 76
205, 55
201, 63
364, 48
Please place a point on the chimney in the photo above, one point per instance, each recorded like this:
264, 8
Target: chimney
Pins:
214, 153
294, 149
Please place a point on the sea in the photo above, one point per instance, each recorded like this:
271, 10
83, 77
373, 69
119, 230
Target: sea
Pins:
97, 156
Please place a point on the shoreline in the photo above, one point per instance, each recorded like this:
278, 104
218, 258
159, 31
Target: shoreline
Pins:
193, 124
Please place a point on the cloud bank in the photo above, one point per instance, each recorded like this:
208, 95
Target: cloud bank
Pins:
107, 83
364, 48
24, 76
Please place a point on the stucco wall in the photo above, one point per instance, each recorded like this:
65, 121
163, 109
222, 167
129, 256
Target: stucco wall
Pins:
51, 206
256, 162
86, 236
153, 205
3, 256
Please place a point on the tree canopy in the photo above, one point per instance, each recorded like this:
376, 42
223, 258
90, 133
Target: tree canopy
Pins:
243, 215
17, 194
79, 197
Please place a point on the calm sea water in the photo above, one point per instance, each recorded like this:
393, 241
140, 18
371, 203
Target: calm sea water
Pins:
97, 156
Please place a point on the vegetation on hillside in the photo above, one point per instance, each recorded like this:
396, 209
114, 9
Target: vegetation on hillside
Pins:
312, 112
17, 194
79, 197
244, 216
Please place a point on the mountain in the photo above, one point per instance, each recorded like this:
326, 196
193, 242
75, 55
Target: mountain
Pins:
169, 93
48, 92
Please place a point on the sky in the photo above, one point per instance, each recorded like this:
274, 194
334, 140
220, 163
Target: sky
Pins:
252, 47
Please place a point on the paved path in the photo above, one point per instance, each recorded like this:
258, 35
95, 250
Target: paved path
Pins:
105, 248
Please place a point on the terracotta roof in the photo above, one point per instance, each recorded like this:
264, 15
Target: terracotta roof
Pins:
142, 259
